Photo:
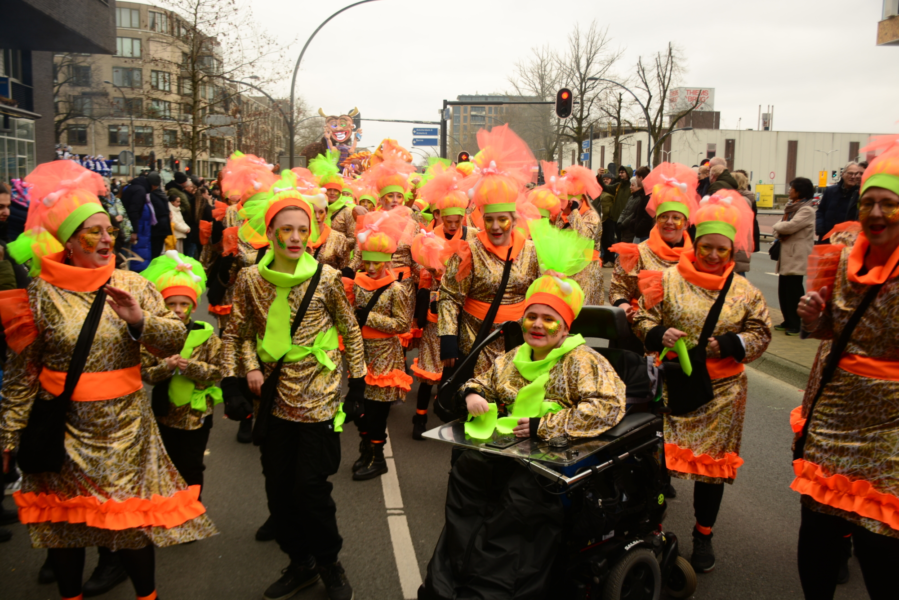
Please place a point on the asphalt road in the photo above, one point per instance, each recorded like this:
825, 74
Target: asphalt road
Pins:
761, 274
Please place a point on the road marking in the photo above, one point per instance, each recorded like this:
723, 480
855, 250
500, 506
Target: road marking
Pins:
400, 536
775, 274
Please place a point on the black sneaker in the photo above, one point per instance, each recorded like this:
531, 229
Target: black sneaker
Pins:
703, 559
794, 332
46, 575
669, 491
375, 467
334, 578
245, 431
107, 575
293, 579
266, 532
781, 327
419, 426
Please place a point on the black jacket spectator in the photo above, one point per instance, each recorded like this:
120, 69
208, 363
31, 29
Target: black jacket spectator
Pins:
836, 206
133, 199
163, 227
643, 222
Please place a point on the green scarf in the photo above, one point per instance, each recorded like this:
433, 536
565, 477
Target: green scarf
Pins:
426, 216
324, 342
529, 402
334, 207
277, 342
183, 390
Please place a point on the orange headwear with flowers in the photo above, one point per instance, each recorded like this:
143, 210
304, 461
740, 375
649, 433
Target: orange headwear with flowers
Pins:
547, 198
429, 250
580, 181
246, 175
379, 233
389, 175
726, 212
883, 172
505, 165
443, 191
673, 187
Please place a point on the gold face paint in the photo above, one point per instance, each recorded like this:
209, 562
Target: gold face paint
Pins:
888, 208
528, 323
550, 325
705, 250
90, 238
505, 223
676, 219
283, 237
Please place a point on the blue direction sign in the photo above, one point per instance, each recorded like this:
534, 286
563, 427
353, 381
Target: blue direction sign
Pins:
424, 131
424, 141
585, 156
585, 144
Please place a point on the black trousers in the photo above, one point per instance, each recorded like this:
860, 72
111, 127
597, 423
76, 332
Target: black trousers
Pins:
822, 548
789, 291
297, 459
706, 502
157, 245
375, 420
609, 237
186, 449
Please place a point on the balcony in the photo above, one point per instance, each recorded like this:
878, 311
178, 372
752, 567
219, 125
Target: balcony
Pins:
888, 31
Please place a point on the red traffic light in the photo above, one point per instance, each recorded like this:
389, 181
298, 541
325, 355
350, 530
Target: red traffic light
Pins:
564, 102
463, 157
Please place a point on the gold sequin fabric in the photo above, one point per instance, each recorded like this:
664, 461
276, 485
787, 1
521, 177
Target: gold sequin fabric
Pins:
334, 252
202, 368
624, 283
854, 430
589, 390
390, 314
246, 257
429, 346
591, 278
716, 428
113, 448
307, 391
482, 284
345, 222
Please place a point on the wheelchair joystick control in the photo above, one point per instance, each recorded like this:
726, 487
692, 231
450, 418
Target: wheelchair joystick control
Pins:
559, 441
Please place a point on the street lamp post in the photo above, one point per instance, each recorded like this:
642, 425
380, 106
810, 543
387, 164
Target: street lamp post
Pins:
132, 133
287, 121
293, 81
826, 155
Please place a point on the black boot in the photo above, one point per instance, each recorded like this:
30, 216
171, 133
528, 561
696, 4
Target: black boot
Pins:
108, 574
46, 575
375, 467
266, 533
364, 454
703, 559
245, 431
419, 425
298, 575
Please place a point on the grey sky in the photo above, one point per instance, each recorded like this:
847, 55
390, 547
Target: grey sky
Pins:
816, 61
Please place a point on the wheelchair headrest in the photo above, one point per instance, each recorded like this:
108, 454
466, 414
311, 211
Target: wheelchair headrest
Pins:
607, 323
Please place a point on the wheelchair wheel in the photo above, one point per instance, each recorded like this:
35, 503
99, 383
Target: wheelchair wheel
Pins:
681, 582
637, 576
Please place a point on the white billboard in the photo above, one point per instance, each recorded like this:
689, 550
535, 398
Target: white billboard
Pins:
683, 98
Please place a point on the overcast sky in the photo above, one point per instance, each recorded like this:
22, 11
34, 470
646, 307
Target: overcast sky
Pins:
815, 61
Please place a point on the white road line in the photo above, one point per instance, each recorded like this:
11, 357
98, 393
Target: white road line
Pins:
766, 273
400, 537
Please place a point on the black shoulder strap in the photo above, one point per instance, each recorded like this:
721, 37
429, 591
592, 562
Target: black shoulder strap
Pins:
260, 254
715, 313
304, 304
362, 316
833, 359
490, 317
84, 343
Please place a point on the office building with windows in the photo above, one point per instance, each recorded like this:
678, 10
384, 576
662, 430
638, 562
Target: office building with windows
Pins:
468, 118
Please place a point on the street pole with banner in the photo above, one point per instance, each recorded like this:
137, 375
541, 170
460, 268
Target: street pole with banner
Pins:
590, 161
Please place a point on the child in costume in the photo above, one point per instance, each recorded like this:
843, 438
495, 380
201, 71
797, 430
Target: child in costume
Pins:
184, 384
383, 310
300, 444
673, 200
580, 186
473, 278
330, 247
703, 444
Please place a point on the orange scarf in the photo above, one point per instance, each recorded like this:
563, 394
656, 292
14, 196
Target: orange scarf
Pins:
878, 274
706, 281
502, 251
661, 248
367, 283
322, 238
75, 279
439, 231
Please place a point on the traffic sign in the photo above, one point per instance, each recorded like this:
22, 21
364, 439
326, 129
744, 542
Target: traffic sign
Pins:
771, 175
126, 159
585, 144
822, 178
424, 131
585, 156
424, 141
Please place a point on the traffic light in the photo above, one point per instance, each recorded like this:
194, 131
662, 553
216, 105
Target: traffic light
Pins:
177, 165
463, 157
564, 101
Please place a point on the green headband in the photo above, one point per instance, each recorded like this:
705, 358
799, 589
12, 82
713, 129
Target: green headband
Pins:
376, 256
709, 227
368, 197
452, 210
544, 213
673, 206
392, 188
881, 180
499, 207
78, 216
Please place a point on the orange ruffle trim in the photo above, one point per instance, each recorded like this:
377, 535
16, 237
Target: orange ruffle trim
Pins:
628, 255
221, 309
391, 379
229, 241
857, 496
797, 421
683, 460
348, 290
423, 375
218, 213
650, 284
17, 318
111, 514
205, 232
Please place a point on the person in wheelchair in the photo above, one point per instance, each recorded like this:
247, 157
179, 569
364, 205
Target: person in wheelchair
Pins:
699, 304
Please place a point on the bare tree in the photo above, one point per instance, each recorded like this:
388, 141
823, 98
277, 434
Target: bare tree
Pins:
537, 77
655, 80
616, 110
72, 70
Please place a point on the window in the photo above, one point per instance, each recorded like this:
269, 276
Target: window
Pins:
129, 78
160, 80
82, 105
478, 120
118, 135
465, 119
81, 76
207, 92
11, 64
159, 22
127, 47
170, 138
185, 86
127, 17
125, 107
479, 110
159, 109
217, 147
77, 135
143, 136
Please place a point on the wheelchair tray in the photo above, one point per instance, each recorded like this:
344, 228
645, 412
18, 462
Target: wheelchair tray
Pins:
539, 453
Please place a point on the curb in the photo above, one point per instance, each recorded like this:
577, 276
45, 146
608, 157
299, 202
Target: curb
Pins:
780, 368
